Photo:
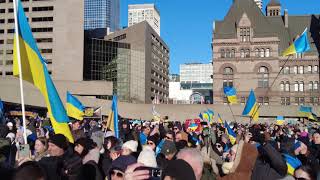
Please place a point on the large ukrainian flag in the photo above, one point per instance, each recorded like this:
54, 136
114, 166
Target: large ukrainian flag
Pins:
35, 71
75, 108
300, 45
231, 94
112, 123
251, 107
306, 111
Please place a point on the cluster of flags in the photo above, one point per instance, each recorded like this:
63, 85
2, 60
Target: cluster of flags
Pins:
207, 115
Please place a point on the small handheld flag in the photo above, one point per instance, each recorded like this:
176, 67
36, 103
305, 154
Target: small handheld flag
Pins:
112, 123
292, 163
220, 121
74, 107
280, 120
232, 135
300, 45
231, 94
251, 107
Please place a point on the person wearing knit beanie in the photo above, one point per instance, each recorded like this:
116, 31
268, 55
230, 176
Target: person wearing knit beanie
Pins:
58, 144
179, 170
129, 147
152, 141
83, 146
147, 157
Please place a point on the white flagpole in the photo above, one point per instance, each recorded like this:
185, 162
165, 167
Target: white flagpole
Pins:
20, 70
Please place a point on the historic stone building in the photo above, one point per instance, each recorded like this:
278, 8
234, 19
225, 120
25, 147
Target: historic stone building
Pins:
247, 46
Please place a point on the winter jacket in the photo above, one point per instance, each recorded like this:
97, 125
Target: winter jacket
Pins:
272, 167
90, 169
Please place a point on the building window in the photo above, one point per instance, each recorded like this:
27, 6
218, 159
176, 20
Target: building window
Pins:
263, 77
223, 54
243, 100
300, 69
309, 69
263, 100
242, 53
262, 53
296, 86
2, 21
257, 52
247, 53
315, 86
42, 19
233, 53
45, 8
267, 52
286, 70
295, 69
315, 69
301, 86
287, 87
245, 34
310, 86
42, 29
227, 77
282, 86
228, 54
285, 101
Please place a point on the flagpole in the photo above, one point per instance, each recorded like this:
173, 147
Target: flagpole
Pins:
20, 70
271, 85
234, 119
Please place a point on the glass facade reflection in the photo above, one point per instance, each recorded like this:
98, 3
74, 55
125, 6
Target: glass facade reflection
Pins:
109, 61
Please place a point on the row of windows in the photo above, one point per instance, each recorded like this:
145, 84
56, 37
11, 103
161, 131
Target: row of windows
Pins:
41, 50
39, 40
245, 53
299, 86
245, 34
299, 69
299, 101
44, 8
42, 19
243, 99
42, 29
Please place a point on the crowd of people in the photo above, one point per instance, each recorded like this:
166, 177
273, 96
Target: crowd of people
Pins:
159, 150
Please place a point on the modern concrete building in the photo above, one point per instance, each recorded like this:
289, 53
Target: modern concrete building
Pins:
247, 47
149, 62
144, 12
102, 14
57, 27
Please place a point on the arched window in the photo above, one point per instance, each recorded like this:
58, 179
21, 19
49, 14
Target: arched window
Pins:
227, 77
315, 86
287, 86
295, 69
282, 86
228, 71
223, 54
300, 69
310, 86
261, 52
233, 53
296, 86
267, 52
247, 53
242, 53
228, 54
257, 52
286, 70
301, 86
263, 77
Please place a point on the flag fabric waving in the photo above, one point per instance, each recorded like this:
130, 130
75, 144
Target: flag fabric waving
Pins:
220, 121
300, 45
280, 120
1, 110
251, 107
232, 135
34, 70
75, 108
292, 163
112, 123
306, 111
231, 94
211, 115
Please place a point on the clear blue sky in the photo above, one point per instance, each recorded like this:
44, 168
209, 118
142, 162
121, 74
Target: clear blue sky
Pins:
186, 25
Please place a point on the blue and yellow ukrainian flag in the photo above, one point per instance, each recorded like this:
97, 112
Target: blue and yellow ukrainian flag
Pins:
292, 163
306, 111
220, 121
211, 115
34, 70
205, 116
232, 135
193, 127
251, 107
280, 120
231, 94
300, 45
75, 108
200, 116
112, 123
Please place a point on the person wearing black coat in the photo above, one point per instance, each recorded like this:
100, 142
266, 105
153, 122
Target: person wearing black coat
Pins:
126, 133
269, 165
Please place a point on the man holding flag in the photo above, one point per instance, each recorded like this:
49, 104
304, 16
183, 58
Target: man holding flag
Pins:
112, 123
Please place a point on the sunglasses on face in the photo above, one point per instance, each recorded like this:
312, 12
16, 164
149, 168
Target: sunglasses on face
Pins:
116, 173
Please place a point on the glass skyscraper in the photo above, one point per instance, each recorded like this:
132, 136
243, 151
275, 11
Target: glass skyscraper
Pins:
101, 14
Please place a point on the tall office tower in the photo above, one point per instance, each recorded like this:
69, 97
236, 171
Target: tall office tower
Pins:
259, 3
144, 12
101, 14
